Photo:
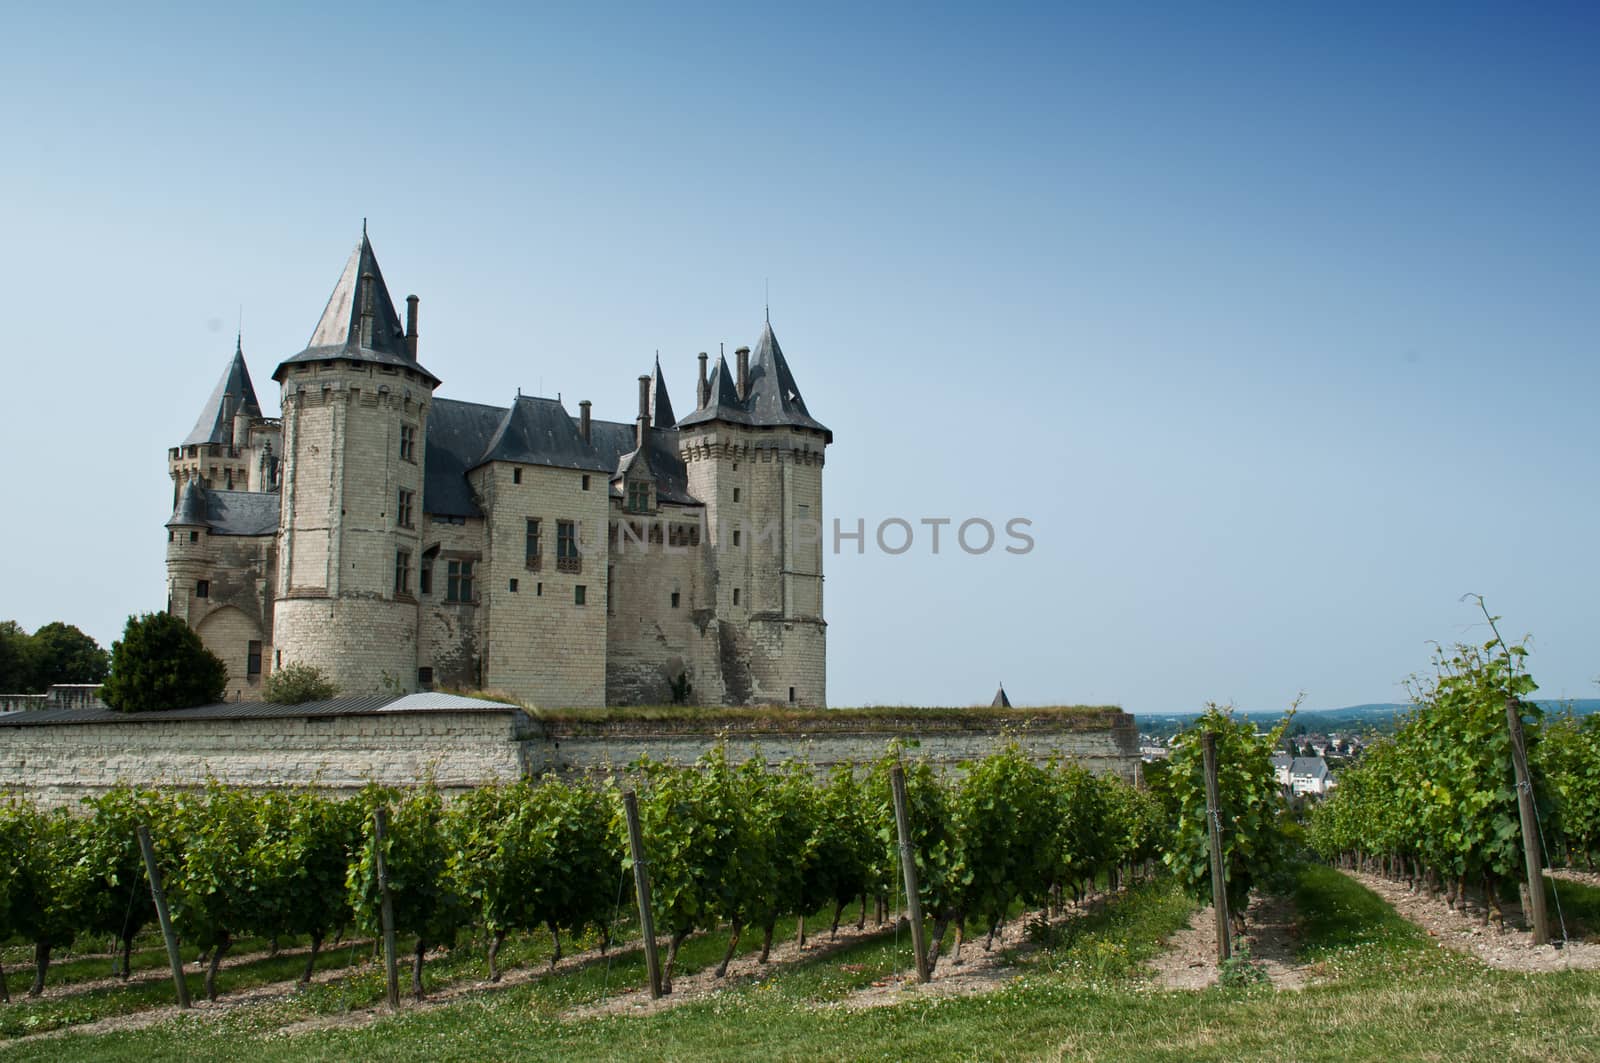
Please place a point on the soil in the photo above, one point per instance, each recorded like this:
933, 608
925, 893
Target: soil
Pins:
1271, 931
1572, 874
1465, 932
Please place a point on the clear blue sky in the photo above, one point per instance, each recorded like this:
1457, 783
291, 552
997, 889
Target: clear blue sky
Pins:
1280, 325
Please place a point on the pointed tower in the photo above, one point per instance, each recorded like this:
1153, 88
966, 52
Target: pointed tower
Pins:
221, 451
660, 404
754, 455
355, 418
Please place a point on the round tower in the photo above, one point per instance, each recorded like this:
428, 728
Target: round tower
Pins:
189, 558
754, 455
355, 418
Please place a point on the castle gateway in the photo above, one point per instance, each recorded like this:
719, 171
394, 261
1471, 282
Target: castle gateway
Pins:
399, 540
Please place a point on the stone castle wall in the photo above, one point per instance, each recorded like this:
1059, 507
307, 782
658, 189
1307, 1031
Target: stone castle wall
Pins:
59, 763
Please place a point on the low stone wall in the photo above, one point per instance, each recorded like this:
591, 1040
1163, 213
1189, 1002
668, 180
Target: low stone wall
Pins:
59, 762
1104, 740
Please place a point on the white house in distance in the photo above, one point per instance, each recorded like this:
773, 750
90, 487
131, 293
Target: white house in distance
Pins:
1302, 775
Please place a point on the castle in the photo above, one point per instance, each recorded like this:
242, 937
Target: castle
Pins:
398, 540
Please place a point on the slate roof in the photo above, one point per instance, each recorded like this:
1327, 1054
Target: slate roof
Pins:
1312, 766
772, 396
615, 441
338, 333
212, 426
191, 509
226, 512
540, 432
458, 434
660, 402
1000, 700
534, 431
361, 705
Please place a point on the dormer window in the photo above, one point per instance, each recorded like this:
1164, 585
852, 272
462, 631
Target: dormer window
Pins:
638, 497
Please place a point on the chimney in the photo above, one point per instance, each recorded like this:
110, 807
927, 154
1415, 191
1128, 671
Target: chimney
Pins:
743, 354
583, 419
411, 326
705, 386
644, 411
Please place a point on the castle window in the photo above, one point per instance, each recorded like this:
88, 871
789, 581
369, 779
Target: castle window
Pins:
538, 590
638, 497
532, 546
402, 572
516, 475
408, 443
169, 535
736, 596
513, 587
202, 588
567, 556
425, 678
580, 595
736, 494
402, 513
194, 537
674, 599
425, 577
736, 537
230, 478
586, 481
791, 695
252, 659
458, 586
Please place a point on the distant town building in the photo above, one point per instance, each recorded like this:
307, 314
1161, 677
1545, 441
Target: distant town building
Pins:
1302, 775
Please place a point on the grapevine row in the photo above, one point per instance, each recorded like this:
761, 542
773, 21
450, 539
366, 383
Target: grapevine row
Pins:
727, 845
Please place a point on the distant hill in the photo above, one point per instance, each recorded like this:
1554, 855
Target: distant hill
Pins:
1372, 716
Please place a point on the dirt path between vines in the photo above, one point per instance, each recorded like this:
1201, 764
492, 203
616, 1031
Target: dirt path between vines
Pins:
1271, 930
266, 993
22, 974
1465, 933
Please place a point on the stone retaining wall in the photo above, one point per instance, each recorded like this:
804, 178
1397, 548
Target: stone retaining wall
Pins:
57, 763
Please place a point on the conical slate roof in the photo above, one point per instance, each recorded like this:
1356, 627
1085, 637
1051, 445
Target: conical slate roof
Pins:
660, 404
233, 393
344, 331
1000, 700
191, 510
772, 398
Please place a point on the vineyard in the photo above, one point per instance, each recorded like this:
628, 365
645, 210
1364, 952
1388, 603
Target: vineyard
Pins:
750, 862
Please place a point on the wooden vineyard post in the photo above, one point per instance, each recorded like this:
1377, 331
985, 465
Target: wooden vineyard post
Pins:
641, 885
391, 962
1219, 888
1530, 827
163, 916
908, 863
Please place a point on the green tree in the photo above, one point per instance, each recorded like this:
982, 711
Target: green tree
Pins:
16, 675
60, 653
160, 663
296, 684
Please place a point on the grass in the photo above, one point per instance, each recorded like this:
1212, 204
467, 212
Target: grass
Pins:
783, 717
1579, 906
1386, 991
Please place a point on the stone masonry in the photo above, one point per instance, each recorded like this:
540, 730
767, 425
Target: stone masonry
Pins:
400, 541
